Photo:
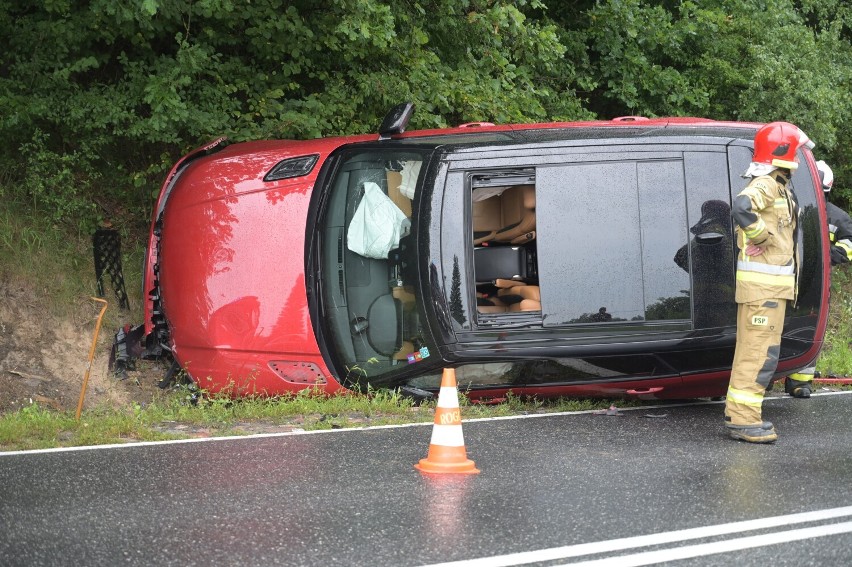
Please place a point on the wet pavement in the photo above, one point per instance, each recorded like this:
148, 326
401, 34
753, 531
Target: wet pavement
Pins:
657, 485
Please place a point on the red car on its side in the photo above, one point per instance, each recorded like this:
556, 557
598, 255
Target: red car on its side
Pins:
587, 258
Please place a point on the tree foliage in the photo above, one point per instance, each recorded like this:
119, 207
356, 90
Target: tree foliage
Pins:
98, 98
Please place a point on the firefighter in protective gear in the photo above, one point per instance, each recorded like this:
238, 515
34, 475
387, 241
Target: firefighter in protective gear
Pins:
839, 223
800, 384
765, 215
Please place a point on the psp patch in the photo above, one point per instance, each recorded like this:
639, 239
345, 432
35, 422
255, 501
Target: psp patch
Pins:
760, 320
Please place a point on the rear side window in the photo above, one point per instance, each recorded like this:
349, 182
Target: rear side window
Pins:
711, 250
608, 234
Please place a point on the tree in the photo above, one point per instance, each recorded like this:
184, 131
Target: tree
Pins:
99, 98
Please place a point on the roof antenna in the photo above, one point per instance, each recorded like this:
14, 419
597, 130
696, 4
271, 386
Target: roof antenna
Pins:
396, 120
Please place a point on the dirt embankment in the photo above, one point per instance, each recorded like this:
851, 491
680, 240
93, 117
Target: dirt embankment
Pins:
43, 359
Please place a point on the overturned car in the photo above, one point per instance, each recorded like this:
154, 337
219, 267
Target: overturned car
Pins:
585, 259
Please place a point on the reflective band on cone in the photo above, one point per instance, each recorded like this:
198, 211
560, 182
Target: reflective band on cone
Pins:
446, 450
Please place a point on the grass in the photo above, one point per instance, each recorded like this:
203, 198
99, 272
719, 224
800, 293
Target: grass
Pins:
183, 414
55, 265
56, 268
835, 357
41, 255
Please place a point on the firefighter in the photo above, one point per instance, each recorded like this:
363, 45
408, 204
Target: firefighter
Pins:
839, 223
765, 215
800, 384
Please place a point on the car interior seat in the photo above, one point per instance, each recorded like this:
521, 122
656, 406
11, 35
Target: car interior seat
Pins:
504, 232
517, 213
487, 219
506, 217
519, 296
511, 296
500, 262
490, 304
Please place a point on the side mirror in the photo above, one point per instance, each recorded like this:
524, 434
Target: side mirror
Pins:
396, 120
709, 238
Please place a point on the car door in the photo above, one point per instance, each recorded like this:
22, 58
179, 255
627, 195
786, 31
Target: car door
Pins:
609, 230
607, 233
633, 243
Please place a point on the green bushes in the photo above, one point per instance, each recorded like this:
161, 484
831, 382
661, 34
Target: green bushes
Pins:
58, 186
99, 98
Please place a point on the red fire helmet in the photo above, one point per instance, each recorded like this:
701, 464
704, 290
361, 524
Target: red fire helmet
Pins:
776, 144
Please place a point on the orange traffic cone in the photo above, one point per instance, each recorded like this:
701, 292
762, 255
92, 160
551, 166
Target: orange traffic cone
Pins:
446, 450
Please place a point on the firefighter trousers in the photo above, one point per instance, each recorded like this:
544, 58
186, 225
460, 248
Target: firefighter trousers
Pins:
802, 379
759, 327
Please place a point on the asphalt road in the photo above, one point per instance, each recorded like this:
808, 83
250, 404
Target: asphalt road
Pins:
657, 485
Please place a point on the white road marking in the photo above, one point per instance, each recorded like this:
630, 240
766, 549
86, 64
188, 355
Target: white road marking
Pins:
368, 428
726, 546
609, 546
315, 431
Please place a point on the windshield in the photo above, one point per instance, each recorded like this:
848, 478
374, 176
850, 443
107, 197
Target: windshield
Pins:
370, 291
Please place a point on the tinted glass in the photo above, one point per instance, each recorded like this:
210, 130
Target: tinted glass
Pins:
810, 239
456, 283
662, 221
711, 246
607, 237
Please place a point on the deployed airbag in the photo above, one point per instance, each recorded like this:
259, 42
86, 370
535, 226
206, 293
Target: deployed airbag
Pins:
377, 224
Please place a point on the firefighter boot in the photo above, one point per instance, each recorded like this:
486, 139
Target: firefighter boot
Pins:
799, 385
763, 432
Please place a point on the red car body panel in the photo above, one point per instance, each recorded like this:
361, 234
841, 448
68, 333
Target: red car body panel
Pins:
232, 275
234, 285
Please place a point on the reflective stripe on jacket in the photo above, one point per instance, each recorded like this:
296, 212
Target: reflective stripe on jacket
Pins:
765, 214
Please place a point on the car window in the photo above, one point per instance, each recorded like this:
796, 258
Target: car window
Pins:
710, 252
607, 237
369, 264
811, 234
503, 213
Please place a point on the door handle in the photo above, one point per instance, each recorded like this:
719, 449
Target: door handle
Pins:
487, 401
709, 238
643, 392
